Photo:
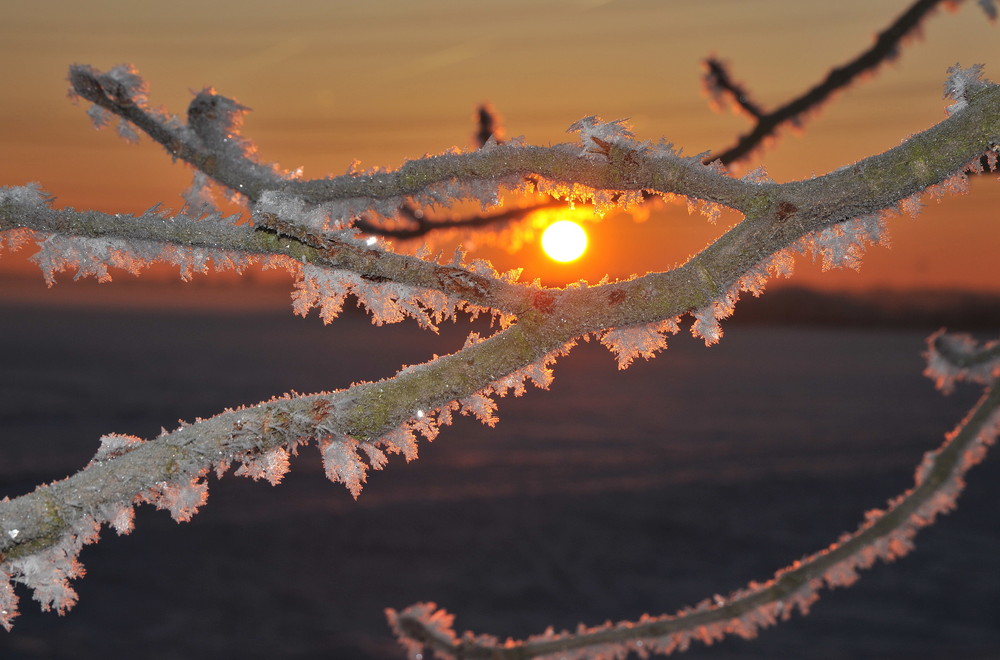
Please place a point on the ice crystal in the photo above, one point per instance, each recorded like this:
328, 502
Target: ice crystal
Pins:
597, 136
911, 205
401, 441
643, 340
429, 423
779, 264
323, 288
956, 184
376, 457
47, 572
30, 194
987, 162
15, 239
342, 455
486, 191
709, 209
8, 601
758, 176
99, 117
480, 406
290, 207
181, 498
574, 193
271, 465
388, 302
843, 244
342, 463
93, 257
706, 324
122, 520
706, 319
114, 445
391, 302
960, 81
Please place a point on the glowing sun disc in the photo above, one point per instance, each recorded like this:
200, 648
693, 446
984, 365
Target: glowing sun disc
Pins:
564, 241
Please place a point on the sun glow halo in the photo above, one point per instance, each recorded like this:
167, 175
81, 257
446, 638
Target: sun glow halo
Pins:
564, 241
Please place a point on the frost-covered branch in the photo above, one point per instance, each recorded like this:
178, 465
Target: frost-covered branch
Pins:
831, 215
416, 223
884, 535
615, 170
210, 140
304, 226
958, 357
724, 90
90, 242
354, 428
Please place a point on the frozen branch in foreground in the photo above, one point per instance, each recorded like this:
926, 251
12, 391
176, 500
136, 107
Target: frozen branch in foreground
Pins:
305, 227
884, 535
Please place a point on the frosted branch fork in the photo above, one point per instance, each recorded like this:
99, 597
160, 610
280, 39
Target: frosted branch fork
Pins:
829, 214
777, 215
629, 166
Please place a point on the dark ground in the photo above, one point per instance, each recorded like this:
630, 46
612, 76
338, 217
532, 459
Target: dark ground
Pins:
612, 495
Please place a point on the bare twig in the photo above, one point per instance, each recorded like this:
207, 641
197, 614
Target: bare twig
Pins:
887, 44
489, 125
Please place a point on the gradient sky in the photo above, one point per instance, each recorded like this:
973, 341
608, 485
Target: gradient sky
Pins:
386, 80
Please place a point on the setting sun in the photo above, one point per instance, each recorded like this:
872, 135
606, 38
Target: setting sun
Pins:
564, 241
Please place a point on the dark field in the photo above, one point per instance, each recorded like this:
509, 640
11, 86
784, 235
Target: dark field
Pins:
613, 494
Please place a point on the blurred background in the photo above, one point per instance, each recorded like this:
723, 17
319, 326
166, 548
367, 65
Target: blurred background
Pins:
612, 495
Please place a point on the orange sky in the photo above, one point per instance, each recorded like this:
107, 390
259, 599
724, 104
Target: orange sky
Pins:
387, 80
